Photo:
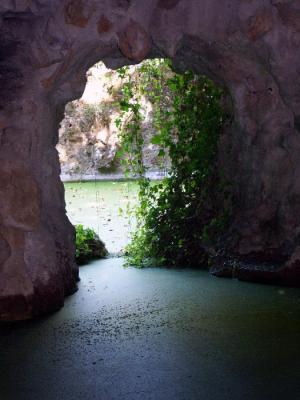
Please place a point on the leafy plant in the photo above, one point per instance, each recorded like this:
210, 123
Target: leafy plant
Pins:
88, 245
181, 216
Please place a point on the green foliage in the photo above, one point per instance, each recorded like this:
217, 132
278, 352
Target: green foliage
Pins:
88, 245
179, 217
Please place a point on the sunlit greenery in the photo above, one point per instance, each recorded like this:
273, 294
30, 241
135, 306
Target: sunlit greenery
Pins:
88, 245
180, 216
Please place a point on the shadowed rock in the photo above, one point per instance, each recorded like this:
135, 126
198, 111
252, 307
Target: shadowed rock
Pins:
251, 48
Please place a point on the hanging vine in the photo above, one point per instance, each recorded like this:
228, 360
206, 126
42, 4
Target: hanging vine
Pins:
180, 216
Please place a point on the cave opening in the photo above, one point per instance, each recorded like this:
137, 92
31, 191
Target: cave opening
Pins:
160, 333
134, 150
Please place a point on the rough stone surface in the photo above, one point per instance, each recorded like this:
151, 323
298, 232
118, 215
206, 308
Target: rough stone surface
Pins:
19, 197
250, 47
88, 136
134, 41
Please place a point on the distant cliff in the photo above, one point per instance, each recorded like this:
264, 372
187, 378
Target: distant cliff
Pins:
88, 137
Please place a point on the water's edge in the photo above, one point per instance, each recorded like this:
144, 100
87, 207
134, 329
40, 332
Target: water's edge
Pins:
118, 176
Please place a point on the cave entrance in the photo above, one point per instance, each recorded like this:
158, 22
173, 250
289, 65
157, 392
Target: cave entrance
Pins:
47, 48
100, 194
136, 125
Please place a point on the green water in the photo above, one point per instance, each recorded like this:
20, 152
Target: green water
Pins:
154, 333
105, 207
157, 334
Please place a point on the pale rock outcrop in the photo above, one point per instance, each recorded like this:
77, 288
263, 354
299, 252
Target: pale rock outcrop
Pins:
88, 136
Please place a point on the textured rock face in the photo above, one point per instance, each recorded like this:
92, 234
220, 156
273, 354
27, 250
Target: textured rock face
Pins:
88, 135
250, 47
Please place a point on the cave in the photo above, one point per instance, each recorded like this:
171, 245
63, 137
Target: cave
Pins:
251, 49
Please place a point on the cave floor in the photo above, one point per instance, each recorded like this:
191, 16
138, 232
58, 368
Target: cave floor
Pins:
156, 334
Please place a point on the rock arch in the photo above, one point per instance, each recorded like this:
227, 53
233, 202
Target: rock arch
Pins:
252, 47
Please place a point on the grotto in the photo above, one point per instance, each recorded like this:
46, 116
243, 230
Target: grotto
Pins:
46, 49
151, 335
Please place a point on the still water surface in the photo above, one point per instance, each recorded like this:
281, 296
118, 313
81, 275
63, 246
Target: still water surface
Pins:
154, 334
105, 207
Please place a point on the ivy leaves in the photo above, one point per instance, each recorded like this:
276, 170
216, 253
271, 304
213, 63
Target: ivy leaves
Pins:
178, 216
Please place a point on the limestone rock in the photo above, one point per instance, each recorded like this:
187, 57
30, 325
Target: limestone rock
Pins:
88, 135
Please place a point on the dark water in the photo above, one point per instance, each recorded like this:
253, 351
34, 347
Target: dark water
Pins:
157, 334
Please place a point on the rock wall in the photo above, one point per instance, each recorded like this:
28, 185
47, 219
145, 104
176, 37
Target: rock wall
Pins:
88, 135
252, 48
